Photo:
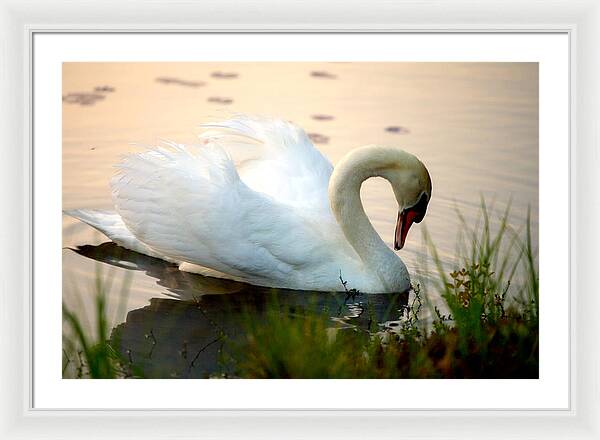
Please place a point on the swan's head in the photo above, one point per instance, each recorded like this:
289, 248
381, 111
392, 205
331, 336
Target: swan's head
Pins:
411, 183
408, 176
407, 216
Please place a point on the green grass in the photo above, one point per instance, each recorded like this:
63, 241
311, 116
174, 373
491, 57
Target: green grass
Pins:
87, 353
486, 325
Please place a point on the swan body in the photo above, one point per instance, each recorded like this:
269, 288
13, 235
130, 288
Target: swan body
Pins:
280, 217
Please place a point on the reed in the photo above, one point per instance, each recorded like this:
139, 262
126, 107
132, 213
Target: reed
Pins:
87, 352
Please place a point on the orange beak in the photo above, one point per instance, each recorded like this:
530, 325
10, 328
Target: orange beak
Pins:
405, 220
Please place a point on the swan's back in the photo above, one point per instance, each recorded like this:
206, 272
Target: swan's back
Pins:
274, 157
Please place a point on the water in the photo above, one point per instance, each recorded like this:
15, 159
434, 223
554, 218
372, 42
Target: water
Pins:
474, 125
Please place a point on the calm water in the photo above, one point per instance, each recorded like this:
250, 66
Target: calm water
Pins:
474, 125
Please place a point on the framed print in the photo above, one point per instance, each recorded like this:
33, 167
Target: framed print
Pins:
221, 278
276, 223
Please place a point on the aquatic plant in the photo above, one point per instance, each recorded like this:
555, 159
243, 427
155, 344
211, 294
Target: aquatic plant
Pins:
89, 354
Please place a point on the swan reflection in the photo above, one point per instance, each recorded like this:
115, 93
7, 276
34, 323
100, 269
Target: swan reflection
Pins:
183, 333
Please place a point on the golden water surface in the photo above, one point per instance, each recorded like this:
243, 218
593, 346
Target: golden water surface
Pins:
474, 125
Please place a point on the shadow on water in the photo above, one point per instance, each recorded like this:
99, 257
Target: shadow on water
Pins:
182, 335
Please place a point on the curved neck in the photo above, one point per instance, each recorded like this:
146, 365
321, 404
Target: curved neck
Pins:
344, 197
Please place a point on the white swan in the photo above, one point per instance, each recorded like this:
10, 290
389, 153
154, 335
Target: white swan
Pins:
283, 218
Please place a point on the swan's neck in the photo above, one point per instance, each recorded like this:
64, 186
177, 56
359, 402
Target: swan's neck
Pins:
344, 197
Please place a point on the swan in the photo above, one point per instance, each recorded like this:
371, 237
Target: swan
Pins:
282, 217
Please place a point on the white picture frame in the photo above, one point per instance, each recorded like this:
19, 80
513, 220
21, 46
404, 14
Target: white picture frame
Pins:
18, 22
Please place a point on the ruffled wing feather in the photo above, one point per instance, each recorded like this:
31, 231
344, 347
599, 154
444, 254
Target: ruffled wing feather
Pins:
190, 205
275, 157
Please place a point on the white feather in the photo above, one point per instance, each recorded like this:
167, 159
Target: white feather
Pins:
278, 159
190, 205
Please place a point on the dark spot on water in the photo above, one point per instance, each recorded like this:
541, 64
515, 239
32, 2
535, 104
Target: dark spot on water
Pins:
397, 129
104, 89
180, 82
393, 324
224, 75
82, 98
320, 117
318, 138
322, 74
220, 100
